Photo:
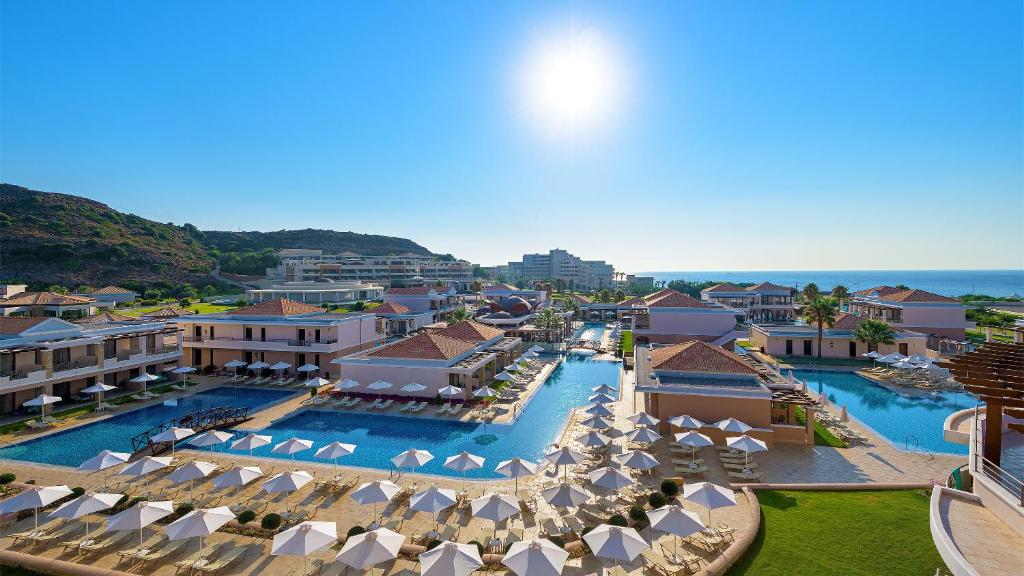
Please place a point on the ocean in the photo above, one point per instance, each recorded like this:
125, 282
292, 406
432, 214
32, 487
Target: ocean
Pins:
945, 282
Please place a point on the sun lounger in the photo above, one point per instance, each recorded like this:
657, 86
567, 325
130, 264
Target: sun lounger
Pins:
67, 529
48, 526
456, 409
744, 477
117, 539
447, 533
660, 564
549, 527
573, 523
228, 558
355, 402
739, 466
206, 553
150, 543
374, 404
681, 557
37, 425
167, 549
419, 408
408, 405
443, 409
385, 405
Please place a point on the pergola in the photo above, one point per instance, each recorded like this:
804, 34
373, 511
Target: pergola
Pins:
995, 372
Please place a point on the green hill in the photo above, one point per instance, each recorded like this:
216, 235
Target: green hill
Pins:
329, 241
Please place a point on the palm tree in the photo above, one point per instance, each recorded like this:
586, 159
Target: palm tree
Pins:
548, 319
811, 292
458, 315
821, 312
873, 333
840, 293
476, 286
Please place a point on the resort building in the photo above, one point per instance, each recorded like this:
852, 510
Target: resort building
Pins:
559, 266
439, 302
837, 340
399, 320
114, 294
51, 304
912, 309
44, 354
167, 312
402, 270
466, 354
338, 293
764, 302
278, 331
711, 384
668, 316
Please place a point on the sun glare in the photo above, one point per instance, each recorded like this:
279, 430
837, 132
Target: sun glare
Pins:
571, 82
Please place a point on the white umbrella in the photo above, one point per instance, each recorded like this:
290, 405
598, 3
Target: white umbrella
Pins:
105, 459
412, 458
199, 523
239, 476
307, 368
747, 444
694, 440
603, 389
643, 419
504, 377
251, 441
685, 421
904, 364
450, 391
98, 389
379, 385
485, 392
464, 462
565, 495
211, 438
234, 364
512, 368
601, 398
316, 382
190, 473
145, 465
42, 401
335, 450
34, 497
413, 387
369, 548
304, 539
287, 481
643, 436
597, 422
85, 505
732, 425
565, 456
291, 446
538, 557
145, 378
258, 365
919, 359
675, 520
450, 559
892, 358
433, 500
593, 439
186, 370
599, 410
375, 492
346, 385
516, 468
615, 542
872, 355
611, 478
172, 435
709, 496
494, 507
280, 366
139, 516
636, 459
531, 354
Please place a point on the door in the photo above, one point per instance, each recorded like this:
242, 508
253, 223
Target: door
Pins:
301, 360
316, 335
302, 336
903, 349
789, 347
853, 349
248, 333
197, 332
807, 348
197, 357
263, 334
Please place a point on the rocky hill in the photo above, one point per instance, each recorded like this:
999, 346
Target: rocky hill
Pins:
330, 241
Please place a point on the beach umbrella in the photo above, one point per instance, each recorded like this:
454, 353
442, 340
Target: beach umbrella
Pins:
316, 382
190, 473
538, 557
172, 435
904, 364
346, 385
145, 378
686, 422
378, 386
708, 495
643, 419
375, 492
615, 543
250, 442
873, 355
636, 459
603, 389
516, 468
601, 398
565, 495
236, 364
450, 559
199, 523
891, 358
919, 359
504, 377
105, 459
494, 507
611, 478
34, 497
292, 446
565, 456
145, 465
464, 462
98, 389
675, 520
694, 440
42, 401
643, 436
531, 354
512, 367
599, 410
370, 548
239, 476
450, 392
593, 439
747, 444
613, 433
211, 438
304, 539
280, 366
139, 516
597, 423
412, 458
307, 368
85, 505
287, 481
732, 425
185, 370
335, 450
485, 392
413, 387
433, 500
258, 365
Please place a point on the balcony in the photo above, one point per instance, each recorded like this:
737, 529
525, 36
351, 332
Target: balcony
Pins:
80, 367
280, 344
24, 375
124, 358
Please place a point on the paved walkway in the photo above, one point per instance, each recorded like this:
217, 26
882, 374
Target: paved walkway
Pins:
988, 544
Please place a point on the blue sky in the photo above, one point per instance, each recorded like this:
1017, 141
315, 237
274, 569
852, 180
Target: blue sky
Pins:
750, 135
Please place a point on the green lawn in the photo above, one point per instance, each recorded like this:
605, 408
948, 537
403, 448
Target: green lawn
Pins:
977, 335
71, 413
626, 342
822, 435
198, 308
870, 532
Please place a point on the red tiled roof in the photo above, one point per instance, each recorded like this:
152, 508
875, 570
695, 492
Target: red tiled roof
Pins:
168, 312
45, 299
495, 287
634, 301
673, 299
843, 321
726, 287
768, 287
12, 325
424, 346
470, 331
107, 317
581, 299
277, 307
412, 291
698, 356
881, 290
914, 295
112, 290
390, 308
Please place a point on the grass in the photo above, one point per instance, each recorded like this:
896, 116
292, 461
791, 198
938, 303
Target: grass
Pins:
198, 308
626, 342
822, 435
77, 411
863, 532
977, 335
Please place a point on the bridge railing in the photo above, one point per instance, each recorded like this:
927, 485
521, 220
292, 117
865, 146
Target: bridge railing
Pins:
197, 420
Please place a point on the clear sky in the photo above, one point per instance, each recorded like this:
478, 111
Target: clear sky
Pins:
742, 135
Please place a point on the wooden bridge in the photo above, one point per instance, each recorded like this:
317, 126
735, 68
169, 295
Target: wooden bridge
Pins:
197, 420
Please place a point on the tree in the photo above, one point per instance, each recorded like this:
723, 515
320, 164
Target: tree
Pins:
152, 294
620, 295
209, 290
438, 284
85, 289
840, 293
821, 312
548, 319
358, 306
57, 289
873, 333
811, 292
459, 314
604, 296
476, 286
902, 287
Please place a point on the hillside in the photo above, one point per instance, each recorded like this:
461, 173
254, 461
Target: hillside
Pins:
329, 241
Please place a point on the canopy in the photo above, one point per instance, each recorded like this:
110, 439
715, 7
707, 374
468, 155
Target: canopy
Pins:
192, 471
183, 370
139, 516
675, 520
709, 495
316, 382
615, 542
335, 450
173, 434
599, 410
516, 468
98, 388
485, 392
565, 456
538, 557
375, 492
280, 366
211, 438
603, 389
104, 460
307, 368
494, 507
450, 559
593, 439
746, 444
199, 523
144, 378
450, 391
287, 481
251, 441
234, 364
504, 377
891, 358
258, 365
34, 497
304, 539
86, 504
643, 436
643, 419
42, 400
145, 465
732, 425
237, 477
611, 478
412, 458
379, 385
872, 355
463, 462
346, 385
292, 446
432, 500
636, 459
565, 495
369, 548
597, 423
601, 398
413, 387
686, 421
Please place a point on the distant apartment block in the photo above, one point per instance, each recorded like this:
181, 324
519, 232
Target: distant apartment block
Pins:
911, 309
439, 302
402, 270
668, 317
561, 267
336, 292
764, 302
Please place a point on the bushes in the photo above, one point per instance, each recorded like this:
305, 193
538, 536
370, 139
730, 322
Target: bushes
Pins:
433, 544
669, 488
77, 491
6, 478
479, 547
183, 509
271, 521
618, 520
656, 500
355, 531
246, 517
638, 514
557, 541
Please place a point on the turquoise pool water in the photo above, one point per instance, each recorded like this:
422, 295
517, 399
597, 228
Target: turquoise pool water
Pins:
73, 446
381, 437
892, 415
591, 331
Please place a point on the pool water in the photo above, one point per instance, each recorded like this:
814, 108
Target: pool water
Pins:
73, 446
894, 416
591, 331
381, 437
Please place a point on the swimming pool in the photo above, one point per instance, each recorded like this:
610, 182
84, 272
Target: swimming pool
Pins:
591, 331
73, 446
894, 416
381, 437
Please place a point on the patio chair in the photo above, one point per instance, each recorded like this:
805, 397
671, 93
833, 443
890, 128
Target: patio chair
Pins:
150, 543
206, 553
355, 402
550, 528
374, 404
385, 405
105, 544
658, 563
167, 549
419, 408
228, 558
46, 527
64, 531
407, 406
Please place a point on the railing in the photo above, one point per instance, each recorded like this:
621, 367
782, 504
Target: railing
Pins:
87, 362
198, 421
985, 467
20, 372
287, 341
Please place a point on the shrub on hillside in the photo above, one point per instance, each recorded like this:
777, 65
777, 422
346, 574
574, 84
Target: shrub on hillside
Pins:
246, 517
656, 500
271, 521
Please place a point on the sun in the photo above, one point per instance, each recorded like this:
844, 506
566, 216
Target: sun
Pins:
571, 82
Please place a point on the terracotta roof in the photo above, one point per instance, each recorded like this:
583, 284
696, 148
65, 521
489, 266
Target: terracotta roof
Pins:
914, 295
882, 291
112, 290
843, 321
673, 299
413, 291
654, 296
768, 286
726, 287
107, 317
697, 356
390, 308
424, 346
12, 325
277, 307
494, 287
470, 331
634, 301
168, 312
581, 299
45, 299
